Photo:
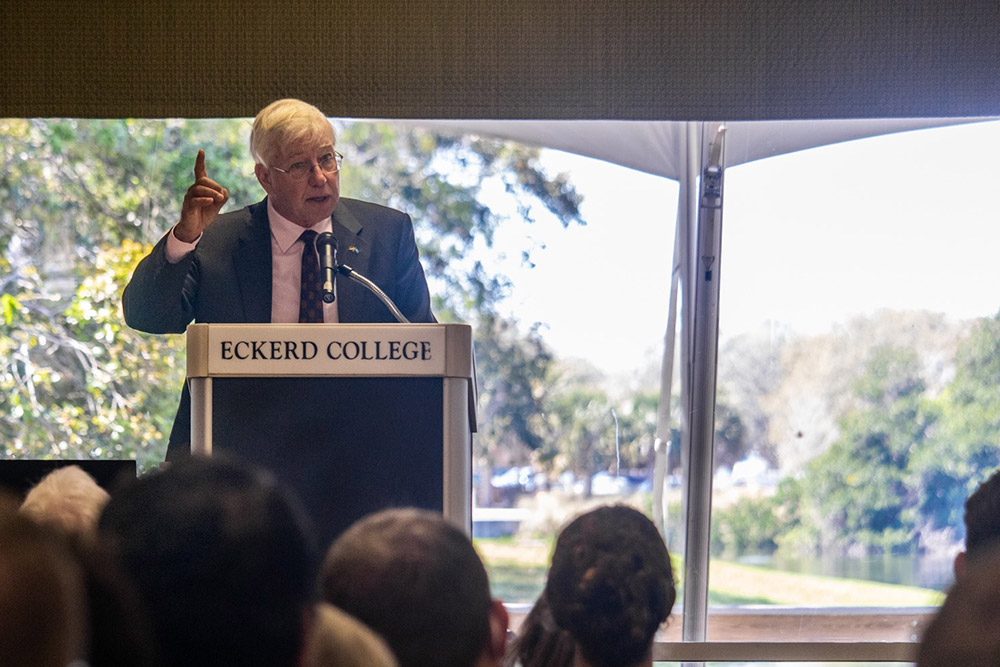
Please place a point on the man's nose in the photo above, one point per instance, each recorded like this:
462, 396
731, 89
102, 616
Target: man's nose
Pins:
317, 176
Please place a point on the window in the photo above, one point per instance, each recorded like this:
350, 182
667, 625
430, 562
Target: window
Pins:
857, 330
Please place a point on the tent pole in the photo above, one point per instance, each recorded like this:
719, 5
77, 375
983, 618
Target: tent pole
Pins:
688, 214
663, 440
689, 196
705, 330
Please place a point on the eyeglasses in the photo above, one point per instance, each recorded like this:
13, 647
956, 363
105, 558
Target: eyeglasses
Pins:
330, 163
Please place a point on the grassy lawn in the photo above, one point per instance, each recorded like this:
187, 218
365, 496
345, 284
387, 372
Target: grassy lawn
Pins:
789, 588
517, 572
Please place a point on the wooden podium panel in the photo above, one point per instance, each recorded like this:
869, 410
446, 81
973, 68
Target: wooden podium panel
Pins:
353, 418
361, 444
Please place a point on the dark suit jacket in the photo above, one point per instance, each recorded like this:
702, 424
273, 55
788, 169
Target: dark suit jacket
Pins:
227, 278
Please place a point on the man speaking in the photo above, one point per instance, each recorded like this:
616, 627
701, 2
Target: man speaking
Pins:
260, 264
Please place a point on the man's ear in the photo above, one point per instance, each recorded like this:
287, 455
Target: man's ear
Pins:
263, 177
959, 565
499, 622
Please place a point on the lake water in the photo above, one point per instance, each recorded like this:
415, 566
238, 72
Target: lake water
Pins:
933, 572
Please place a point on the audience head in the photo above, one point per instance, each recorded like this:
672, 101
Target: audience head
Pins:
43, 617
221, 557
982, 522
540, 642
120, 634
966, 630
67, 498
417, 580
611, 585
337, 639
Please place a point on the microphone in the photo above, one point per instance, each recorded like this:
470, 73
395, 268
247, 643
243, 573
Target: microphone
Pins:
326, 245
374, 289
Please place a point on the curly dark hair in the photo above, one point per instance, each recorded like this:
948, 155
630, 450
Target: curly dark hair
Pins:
982, 517
611, 585
540, 642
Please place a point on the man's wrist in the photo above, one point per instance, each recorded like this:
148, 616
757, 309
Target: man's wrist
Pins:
184, 234
177, 248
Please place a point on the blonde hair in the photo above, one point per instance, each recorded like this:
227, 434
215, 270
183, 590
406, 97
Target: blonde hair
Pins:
337, 639
285, 122
67, 498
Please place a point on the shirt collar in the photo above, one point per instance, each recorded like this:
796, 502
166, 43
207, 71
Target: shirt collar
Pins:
286, 232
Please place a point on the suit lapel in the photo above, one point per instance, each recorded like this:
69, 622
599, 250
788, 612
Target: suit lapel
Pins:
253, 265
352, 249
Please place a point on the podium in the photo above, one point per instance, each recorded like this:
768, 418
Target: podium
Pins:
354, 418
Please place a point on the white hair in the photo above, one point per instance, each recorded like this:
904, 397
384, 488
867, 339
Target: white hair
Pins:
285, 122
67, 498
338, 639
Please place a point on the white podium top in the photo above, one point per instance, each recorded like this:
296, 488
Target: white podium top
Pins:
319, 350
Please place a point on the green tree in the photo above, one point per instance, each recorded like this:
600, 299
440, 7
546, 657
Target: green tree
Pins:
80, 195
965, 448
637, 419
77, 382
440, 181
750, 525
730, 435
862, 486
511, 368
750, 370
801, 521
581, 430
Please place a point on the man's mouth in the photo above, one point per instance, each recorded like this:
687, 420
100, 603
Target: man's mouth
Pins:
319, 200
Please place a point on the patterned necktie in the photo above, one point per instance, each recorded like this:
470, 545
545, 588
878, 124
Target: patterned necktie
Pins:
310, 299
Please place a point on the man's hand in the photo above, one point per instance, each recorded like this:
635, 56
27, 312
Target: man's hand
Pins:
201, 203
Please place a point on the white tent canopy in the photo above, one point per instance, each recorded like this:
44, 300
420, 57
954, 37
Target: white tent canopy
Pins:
656, 147
696, 154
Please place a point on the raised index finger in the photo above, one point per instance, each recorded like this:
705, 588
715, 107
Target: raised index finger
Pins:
199, 165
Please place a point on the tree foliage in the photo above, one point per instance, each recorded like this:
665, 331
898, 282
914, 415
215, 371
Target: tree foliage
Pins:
863, 484
82, 196
916, 435
440, 181
79, 384
965, 448
877, 459
749, 526
85, 198
906, 459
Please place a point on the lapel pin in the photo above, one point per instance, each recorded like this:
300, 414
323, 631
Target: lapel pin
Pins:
353, 249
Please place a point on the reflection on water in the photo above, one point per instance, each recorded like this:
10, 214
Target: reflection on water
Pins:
934, 572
